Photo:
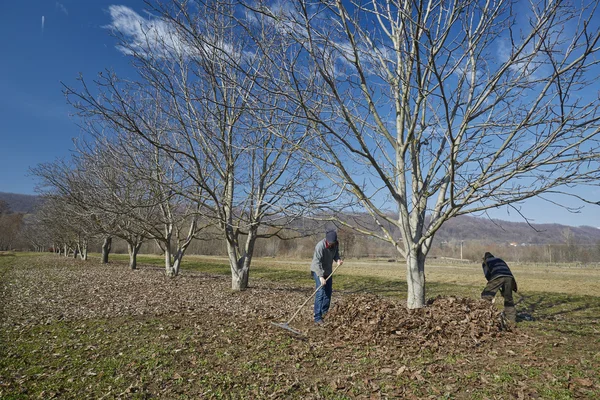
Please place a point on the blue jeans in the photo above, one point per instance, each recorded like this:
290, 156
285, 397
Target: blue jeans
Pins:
323, 297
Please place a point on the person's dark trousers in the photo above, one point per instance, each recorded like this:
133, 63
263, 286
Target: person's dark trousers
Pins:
505, 285
323, 297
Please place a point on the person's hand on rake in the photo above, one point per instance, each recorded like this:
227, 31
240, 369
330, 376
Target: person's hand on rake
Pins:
322, 280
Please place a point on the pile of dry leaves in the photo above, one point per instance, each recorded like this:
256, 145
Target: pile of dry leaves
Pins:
446, 321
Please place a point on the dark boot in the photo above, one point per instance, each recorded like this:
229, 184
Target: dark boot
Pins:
511, 314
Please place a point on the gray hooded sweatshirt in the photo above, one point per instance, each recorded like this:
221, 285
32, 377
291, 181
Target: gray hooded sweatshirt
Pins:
323, 258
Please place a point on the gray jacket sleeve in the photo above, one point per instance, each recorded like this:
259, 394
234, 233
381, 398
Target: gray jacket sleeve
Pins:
317, 261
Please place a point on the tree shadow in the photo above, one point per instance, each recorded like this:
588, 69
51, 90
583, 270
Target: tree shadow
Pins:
581, 311
369, 285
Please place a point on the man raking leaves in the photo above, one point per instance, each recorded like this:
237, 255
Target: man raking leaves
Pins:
326, 252
321, 267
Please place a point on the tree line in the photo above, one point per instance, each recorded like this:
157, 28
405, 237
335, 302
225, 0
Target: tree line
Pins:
243, 119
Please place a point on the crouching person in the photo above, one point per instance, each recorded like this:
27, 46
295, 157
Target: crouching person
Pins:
499, 277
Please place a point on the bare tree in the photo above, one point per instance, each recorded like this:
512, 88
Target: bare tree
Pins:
140, 180
432, 109
175, 203
59, 222
95, 194
10, 226
237, 142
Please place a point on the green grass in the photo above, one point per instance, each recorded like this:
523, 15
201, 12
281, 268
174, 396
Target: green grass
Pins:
170, 357
344, 282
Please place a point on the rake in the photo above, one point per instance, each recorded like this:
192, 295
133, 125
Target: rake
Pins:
286, 325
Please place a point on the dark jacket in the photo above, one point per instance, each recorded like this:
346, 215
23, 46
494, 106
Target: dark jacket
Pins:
495, 267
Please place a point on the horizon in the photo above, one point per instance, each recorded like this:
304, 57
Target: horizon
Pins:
468, 216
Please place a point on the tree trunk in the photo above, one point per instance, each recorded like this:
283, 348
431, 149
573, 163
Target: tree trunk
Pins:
239, 274
177, 263
240, 268
177, 260
182, 247
175, 267
83, 250
168, 266
133, 251
106, 245
415, 278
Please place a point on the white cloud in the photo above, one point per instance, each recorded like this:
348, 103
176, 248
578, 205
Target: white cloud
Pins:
62, 8
43, 22
145, 36
158, 37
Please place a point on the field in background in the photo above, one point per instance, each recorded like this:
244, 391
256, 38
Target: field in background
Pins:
556, 278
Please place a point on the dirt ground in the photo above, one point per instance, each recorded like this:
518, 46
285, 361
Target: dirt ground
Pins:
72, 329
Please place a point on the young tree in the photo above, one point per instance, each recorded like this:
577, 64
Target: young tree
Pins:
433, 109
176, 211
236, 141
96, 195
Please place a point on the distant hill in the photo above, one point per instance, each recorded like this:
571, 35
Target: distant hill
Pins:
20, 203
465, 228
473, 228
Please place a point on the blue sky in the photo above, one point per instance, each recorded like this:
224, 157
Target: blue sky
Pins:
47, 42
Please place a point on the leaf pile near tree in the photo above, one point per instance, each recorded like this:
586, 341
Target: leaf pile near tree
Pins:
450, 322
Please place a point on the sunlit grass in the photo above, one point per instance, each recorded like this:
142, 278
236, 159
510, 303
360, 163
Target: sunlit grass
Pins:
132, 357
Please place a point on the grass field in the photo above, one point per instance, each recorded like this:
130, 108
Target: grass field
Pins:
73, 329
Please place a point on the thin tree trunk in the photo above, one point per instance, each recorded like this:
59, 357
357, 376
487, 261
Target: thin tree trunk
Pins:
169, 267
83, 250
133, 251
106, 246
181, 250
